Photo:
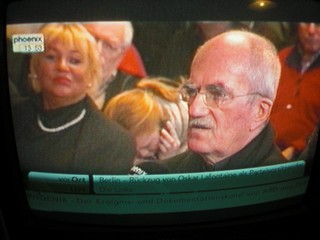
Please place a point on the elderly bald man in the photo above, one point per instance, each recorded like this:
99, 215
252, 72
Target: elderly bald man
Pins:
233, 83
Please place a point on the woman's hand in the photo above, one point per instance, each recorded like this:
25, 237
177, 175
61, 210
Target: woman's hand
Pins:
169, 142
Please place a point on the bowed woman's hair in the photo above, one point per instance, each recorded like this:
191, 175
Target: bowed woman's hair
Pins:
73, 35
145, 109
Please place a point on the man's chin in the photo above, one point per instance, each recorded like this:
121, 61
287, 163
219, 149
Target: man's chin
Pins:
197, 146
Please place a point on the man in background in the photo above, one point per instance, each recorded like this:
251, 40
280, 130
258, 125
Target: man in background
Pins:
296, 111
115, 45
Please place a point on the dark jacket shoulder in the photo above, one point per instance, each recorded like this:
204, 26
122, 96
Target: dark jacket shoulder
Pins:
105, 142
261, 151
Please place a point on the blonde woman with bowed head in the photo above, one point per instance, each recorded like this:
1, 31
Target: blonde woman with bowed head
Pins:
154, 115
59, 129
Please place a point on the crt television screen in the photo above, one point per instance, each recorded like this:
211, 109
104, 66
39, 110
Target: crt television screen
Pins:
87, 154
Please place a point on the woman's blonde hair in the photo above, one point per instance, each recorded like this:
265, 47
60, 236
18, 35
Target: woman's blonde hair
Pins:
167, 94
136, 110
161, 87
70, 34
141, 110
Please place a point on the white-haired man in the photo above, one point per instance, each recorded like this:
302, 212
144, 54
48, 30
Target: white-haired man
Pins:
233, 83
114, 42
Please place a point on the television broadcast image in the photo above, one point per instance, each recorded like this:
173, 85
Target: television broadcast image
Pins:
160, 119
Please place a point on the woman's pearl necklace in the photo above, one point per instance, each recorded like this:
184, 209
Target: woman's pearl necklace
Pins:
63, 127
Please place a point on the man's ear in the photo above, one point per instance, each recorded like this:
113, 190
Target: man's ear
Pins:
262, 112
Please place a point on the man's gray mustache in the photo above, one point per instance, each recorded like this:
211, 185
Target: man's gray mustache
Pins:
200, 123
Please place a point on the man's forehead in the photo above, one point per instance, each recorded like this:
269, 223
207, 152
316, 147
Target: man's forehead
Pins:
229, 82
108, 31
207, 83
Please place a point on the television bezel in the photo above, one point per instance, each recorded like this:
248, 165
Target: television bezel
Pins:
15, 213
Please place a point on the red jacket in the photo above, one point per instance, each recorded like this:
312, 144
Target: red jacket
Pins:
296, 110
132, 63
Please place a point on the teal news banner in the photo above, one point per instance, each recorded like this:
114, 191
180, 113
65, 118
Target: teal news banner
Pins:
134, 194
204, 181
56, 182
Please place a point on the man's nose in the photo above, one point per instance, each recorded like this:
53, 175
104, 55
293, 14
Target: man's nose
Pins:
198, 107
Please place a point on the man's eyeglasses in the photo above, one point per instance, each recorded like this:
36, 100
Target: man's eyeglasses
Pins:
213, 95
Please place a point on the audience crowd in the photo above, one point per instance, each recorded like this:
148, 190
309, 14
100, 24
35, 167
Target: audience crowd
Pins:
121, 100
